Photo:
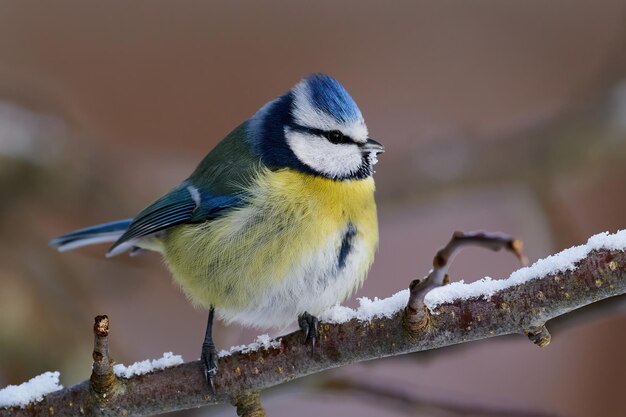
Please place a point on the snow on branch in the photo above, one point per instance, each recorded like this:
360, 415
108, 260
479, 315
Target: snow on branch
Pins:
410, 321
552, 265
31, 391
147, 366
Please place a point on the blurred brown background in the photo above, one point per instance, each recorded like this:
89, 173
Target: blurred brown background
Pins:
496, 115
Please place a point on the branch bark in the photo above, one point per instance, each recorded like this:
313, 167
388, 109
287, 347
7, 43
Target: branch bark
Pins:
521, 309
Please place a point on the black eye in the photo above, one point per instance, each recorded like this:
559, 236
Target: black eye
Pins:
336, 136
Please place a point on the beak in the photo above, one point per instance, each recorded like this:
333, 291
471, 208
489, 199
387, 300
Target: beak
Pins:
373, 146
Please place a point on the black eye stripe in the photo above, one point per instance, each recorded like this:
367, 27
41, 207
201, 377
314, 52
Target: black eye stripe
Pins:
331, 135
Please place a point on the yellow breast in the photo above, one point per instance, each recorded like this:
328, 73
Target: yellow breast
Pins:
288, 217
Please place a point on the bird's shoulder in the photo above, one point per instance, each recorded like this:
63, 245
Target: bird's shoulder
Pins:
229, 168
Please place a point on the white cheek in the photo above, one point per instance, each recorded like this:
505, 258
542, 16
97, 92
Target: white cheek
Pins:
335, 161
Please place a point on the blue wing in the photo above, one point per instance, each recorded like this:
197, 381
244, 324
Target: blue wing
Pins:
184, 204
101, 233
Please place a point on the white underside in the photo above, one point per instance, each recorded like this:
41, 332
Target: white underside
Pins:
313, 286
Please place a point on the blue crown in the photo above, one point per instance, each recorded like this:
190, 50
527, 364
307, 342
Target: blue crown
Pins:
330, 97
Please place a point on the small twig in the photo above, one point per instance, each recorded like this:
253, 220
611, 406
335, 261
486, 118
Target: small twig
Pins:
102, 378
248, 404
493, 241
416, 317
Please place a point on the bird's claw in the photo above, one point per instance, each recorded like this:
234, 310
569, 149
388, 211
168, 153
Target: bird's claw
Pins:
209, 363
309, 325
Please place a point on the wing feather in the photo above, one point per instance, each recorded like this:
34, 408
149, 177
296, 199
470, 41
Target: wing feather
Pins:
184, 204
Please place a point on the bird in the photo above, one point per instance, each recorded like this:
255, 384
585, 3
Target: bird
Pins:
277, 223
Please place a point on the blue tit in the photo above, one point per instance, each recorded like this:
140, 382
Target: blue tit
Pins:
277, 222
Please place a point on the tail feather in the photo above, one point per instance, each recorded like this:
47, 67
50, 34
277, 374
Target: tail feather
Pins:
102, 233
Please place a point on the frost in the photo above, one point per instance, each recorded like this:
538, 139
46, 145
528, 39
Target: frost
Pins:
263, 341
139, 368
368, 309
31, 391
554, 264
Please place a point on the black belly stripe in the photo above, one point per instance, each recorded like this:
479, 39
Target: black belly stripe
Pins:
346, 245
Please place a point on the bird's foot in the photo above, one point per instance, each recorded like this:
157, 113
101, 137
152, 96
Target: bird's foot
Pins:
309, 325
209, 363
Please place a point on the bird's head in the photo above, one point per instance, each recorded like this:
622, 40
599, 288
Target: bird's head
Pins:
315, 128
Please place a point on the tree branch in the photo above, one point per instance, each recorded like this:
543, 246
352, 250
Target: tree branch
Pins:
522, 309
